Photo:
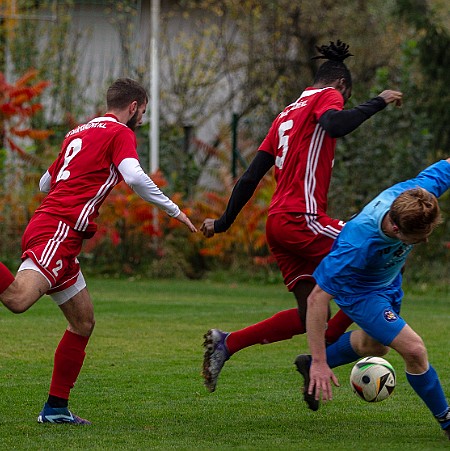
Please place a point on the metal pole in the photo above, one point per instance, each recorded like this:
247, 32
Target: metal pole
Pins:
154, 103
154, 87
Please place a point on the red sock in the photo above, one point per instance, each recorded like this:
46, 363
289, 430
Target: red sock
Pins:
337, 326
281, 326
69, 357
6, 278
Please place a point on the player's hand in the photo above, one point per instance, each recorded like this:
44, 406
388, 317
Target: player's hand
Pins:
208, 227
320, 375
390, 96
185, 220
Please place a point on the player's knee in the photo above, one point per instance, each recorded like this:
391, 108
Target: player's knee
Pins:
21, 295
366, 346
91, 325
372, 348
17, 304
378, 350
88, 326
84, 327
415, 352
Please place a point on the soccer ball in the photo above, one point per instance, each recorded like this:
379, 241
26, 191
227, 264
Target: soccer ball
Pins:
373, 379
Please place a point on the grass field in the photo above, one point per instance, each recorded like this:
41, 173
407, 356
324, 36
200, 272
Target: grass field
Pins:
141, 385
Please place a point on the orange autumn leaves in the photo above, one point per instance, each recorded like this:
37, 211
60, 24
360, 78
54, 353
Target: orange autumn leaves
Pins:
17, 106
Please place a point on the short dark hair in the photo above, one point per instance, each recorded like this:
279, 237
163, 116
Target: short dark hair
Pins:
123, 92
334, 68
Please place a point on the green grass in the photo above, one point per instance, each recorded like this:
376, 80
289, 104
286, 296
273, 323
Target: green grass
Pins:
141, 384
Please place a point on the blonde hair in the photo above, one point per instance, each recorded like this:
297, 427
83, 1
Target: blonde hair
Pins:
416, 212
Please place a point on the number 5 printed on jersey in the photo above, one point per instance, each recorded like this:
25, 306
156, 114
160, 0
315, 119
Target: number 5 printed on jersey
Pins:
283, 142
72, 150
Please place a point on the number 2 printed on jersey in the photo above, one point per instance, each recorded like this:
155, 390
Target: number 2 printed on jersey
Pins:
72, 150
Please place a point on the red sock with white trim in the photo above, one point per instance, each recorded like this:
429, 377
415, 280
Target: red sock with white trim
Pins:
281, 326
6, 278
69, 358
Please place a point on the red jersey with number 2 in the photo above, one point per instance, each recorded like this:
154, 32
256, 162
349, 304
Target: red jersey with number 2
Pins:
304, 153
86, 171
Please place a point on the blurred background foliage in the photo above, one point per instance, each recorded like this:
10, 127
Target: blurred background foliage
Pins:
228, 63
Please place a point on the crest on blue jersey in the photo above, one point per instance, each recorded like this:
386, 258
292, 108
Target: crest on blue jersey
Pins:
390, 316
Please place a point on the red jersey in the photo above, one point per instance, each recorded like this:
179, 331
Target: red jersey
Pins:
304, 153
86, 171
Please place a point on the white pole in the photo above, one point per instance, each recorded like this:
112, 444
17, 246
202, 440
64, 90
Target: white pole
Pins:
154, 87
154, 101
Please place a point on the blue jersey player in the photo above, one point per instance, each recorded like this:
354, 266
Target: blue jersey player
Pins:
363, 275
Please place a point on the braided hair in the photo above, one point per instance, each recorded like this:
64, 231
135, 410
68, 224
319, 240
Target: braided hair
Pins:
334, 68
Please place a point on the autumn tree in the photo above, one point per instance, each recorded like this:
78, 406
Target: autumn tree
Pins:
20, 167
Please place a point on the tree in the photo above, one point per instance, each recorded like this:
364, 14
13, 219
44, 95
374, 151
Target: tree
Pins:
20, 167
17, 107
52, 47
251, 58
431, 41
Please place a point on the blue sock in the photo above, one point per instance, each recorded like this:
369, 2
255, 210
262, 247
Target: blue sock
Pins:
341, 352
428, 387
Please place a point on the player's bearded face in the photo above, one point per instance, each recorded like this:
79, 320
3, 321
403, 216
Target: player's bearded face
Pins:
133, 122
136, 119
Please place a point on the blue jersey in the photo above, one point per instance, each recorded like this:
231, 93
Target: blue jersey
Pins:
363, 259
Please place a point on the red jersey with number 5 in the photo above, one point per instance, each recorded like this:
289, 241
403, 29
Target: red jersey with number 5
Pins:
86, 171
304, 153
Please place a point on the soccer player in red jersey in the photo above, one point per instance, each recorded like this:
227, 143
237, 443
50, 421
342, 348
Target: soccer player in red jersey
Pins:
301, 145
94, 158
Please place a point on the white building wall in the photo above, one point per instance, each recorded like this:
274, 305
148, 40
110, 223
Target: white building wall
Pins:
100, 60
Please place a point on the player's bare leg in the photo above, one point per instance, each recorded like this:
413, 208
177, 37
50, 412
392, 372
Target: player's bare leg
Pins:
27, 287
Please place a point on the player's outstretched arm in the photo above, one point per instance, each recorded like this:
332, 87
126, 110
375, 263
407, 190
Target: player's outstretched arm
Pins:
320, 373
182, 217
340, 123
144, 186
241, 194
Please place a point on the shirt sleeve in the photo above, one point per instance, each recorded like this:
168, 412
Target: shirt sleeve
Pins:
435, 179
143, 185
340, 123
270, 143
329, 99
45, 182
124, 146
51, 169
244, 189
336, 270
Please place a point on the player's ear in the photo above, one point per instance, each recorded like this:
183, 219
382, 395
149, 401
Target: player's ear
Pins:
394, 227
341, 85
133, 107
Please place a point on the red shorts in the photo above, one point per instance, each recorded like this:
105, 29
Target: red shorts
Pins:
299, 243
53, 246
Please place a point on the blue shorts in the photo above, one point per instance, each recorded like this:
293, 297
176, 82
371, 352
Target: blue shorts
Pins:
377, 314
